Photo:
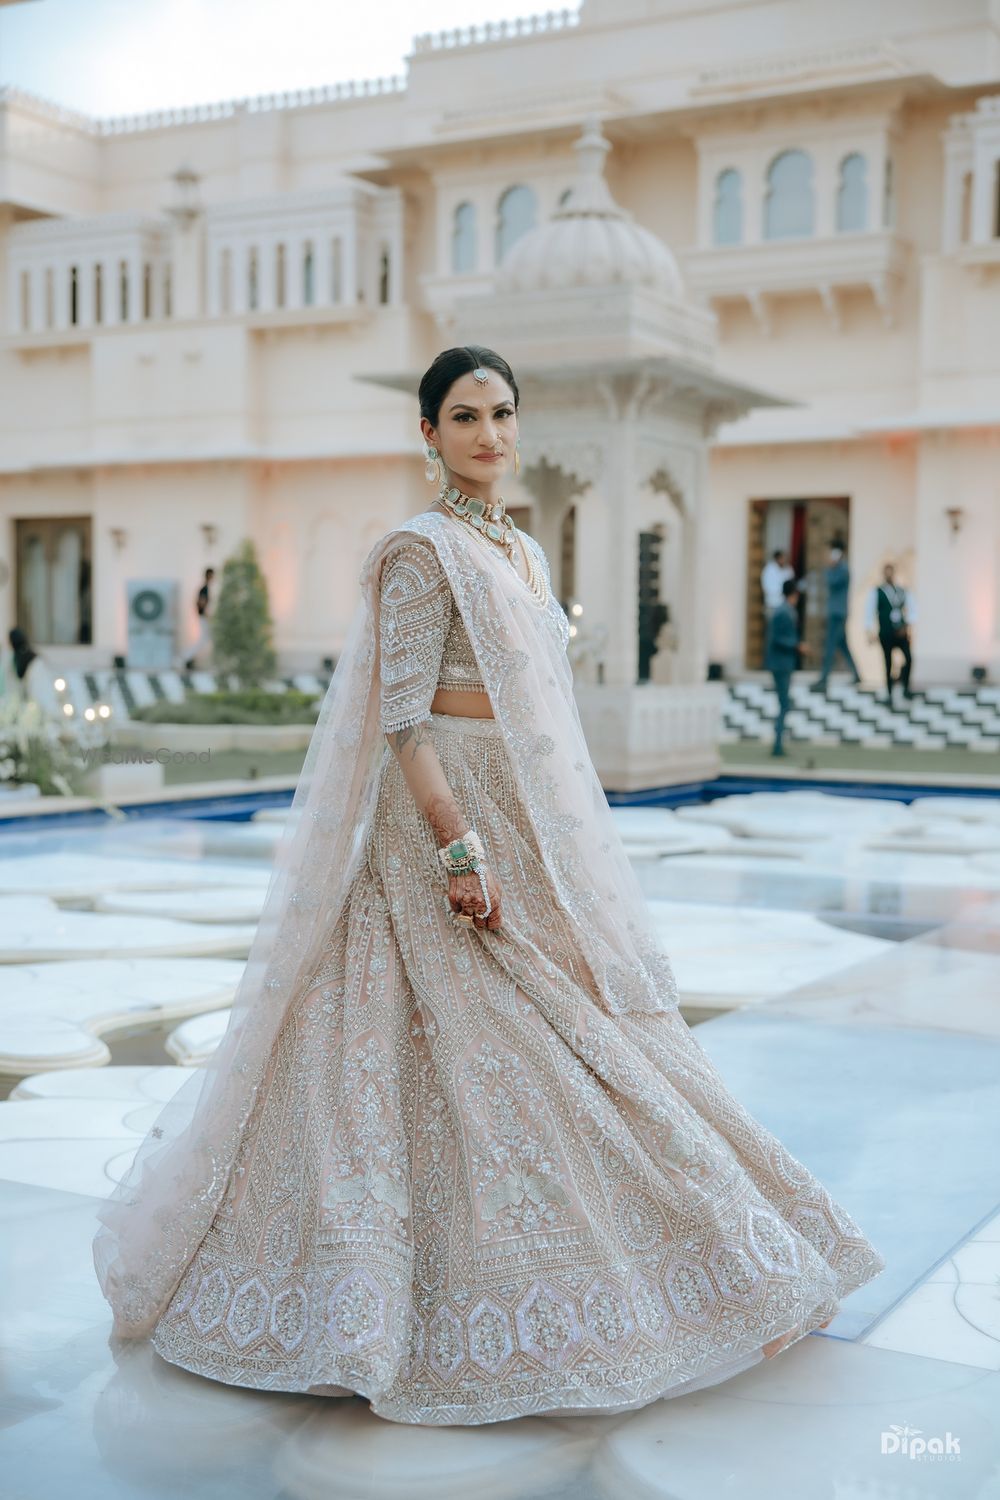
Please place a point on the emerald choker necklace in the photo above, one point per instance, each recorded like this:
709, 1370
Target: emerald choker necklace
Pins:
491, 519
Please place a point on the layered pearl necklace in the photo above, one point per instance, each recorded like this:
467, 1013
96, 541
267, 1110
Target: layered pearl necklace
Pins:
491, 523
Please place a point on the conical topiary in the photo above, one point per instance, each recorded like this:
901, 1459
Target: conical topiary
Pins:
242, 626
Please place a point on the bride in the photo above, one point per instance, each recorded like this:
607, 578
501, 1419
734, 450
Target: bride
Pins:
458, 1151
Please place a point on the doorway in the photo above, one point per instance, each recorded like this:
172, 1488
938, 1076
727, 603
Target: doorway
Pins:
804, 530
53, 592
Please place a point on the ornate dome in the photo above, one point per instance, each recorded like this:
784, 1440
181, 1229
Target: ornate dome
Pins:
589, 240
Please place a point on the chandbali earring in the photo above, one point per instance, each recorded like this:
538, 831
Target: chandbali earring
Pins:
433, 472
517, 457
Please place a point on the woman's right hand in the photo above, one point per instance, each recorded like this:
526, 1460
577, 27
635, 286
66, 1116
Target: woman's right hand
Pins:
465, 894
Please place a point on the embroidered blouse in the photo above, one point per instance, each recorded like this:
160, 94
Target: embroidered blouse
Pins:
423, 641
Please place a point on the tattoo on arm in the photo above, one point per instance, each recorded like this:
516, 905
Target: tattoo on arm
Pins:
414, 735
444, 816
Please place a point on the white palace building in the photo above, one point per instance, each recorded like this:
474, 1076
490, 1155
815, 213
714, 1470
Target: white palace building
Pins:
744, 258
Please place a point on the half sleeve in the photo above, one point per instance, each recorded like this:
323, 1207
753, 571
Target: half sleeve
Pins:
414, 615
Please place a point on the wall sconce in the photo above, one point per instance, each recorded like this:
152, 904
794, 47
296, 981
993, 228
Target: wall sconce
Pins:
955, 514
119, 536
209, 532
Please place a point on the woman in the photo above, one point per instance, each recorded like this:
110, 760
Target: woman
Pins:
458, 1151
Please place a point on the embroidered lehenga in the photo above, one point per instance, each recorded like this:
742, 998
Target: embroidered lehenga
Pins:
477, 1174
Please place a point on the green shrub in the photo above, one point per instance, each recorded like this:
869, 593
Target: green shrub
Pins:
252, 706
242, 626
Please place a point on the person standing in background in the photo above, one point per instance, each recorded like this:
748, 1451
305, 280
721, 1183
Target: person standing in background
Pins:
889, 613
30, 677
774, 574
781, 656
203, 607
838, 583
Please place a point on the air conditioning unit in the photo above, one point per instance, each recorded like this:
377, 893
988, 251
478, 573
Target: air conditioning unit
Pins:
152, 622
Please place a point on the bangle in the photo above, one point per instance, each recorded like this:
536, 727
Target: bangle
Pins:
462, 854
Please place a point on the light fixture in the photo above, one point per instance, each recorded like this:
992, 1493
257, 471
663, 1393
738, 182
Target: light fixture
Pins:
119, 536
209, 532
956, 515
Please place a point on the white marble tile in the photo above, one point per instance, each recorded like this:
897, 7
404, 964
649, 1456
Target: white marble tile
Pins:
800, 817
650, 832
53, 1014
377, 1460
66, 875
130, 1084
69, 1147
944, 1320
942, 837
33, 929
205, 839
924, 983
726, 956
190, 1043
808, 1426
218, 904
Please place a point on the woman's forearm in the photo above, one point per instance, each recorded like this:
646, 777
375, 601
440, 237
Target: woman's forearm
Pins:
418, 760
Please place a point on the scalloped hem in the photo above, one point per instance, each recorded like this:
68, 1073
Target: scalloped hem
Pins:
563, 1399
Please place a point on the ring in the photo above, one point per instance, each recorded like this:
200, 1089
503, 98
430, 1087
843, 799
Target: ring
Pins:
459, 916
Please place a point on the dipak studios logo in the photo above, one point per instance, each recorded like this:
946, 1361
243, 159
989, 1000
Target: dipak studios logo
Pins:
909, 1442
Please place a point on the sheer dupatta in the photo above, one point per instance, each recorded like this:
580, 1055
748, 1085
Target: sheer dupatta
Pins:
154, 1220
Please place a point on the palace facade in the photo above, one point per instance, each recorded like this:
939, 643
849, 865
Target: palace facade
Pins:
212, 320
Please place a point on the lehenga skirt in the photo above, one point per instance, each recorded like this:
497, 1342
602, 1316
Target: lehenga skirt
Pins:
468, 1193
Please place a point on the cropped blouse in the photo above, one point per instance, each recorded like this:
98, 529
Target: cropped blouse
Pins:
423, 643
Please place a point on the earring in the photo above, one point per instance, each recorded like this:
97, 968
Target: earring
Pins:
432, 468
517, 457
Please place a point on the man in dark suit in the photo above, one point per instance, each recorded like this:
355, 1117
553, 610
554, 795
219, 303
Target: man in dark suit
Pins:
838, 582
891, 607
781, 654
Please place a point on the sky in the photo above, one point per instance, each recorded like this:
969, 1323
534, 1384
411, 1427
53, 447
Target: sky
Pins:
114, 57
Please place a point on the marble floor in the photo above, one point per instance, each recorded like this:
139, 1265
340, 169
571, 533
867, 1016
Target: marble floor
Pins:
840, 958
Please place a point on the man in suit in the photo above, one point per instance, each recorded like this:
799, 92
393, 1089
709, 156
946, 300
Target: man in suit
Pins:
781, 655
838, 582
893, 609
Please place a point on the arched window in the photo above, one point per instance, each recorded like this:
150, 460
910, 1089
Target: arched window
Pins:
336, 271
279, 276
965, 212
383, 276
727, 210
252, 277
147, 290
515, 216
225, 280
889, 195
74, 295
463, 238
308, 275
996, 199
788, 203
50, 297
123, 291
98, 293
25, 301
852, 194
